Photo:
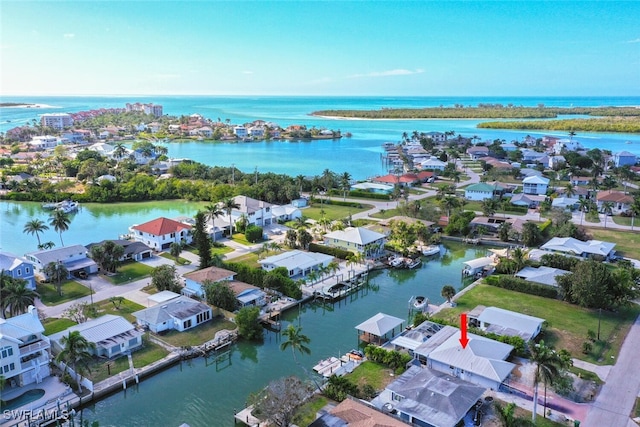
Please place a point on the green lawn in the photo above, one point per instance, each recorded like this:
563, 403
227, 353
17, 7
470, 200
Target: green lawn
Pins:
306, 414
70, 290
128, 272
386, 214
179, 261
149, 353
568, 324
624, 220
240, 238
636, 411
251, 259
125, 309
627, 242
375, 374
198, 335
53, 325
332, 212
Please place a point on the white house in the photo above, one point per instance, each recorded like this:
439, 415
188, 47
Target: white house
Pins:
285, 213
161, 232
18, 268
112, 336
240, 131
257, 212
571, 246
479, 191
43, 142
297, 263
24, 349
436, 137
535, 185
619, 201
433, 163
74, 258
542, 275
505, 322
180, 313
357, 239
566, 144
195, 279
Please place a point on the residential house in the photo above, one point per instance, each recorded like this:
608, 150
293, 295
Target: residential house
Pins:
492, 224
532, 156
161, 232
433, 163
391, 179
297, 263
426, 397
240, 131
357, 239
24, 349
566, 145
194, 280
619, 201
556, 162
575, 247
505, 322
568, 203
18, 268
180, 313
74, 258
437, 137
481, 191
535, 185
133, 250
541, 275
478, 151
112, 336
624, 158
256, 211
353, 412
580, 180
529, 200
248, 295
43, 142
285, 213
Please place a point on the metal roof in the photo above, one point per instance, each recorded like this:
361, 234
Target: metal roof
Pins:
380, 324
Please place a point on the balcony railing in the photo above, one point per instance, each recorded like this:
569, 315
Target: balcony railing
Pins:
36, 346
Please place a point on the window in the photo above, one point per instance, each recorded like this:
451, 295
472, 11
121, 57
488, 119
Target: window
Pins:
19, 272
26, 270
187, 324
9, 367
6, 352
173, 235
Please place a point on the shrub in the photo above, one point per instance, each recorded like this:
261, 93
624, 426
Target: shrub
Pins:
544, 225
253, 233
520, 285
328, 250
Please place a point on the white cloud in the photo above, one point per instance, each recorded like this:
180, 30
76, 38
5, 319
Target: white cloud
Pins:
634, 41
395, 72
69, 35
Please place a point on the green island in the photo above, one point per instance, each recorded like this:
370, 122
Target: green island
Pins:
14, 104
627, 124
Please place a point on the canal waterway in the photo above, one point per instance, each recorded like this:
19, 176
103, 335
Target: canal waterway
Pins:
205, 393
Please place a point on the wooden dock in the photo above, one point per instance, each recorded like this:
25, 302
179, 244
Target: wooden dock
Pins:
271, 320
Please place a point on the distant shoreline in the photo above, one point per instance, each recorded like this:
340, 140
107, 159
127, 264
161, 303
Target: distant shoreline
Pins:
23, 105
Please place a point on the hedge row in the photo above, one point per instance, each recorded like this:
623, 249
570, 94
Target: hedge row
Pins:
521, 285
329, 250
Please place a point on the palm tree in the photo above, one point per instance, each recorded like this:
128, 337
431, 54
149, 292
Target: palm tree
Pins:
212, 212
60, 222
449, 202
300, 181
448, 292
296, 340
76, 354
17, 297
549, 366
607, 208
56, 272
119, 151
228, 206
569, 190
35, 226
583, 205
345, 184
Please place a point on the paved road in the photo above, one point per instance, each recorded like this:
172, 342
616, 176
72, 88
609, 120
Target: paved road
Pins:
617, 397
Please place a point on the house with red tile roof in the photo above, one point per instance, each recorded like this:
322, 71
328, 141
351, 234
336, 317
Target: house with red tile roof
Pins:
405, 180
161, 232
620, 202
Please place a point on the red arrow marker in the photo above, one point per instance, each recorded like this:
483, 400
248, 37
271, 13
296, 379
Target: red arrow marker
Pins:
463, 330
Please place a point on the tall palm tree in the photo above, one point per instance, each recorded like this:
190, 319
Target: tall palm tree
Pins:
76, 354
119, 151
17, 297
228, 206
296, 340
583, 205
212, 212
300, 181
35, 226
60, 222
345, 184
549, 366
607, 208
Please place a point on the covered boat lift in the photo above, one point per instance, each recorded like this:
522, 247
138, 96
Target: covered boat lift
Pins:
375, 329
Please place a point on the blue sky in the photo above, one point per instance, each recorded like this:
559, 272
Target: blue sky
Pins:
396, 48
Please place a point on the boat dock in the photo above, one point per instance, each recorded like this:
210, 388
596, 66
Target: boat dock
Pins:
341, 289
339, 365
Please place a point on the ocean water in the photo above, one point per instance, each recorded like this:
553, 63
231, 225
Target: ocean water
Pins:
358, 155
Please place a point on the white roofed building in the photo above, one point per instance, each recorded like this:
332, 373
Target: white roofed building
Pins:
357, 239
575, 247
297, 263
505, 322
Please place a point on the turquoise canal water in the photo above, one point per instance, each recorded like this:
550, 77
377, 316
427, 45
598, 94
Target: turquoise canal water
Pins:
206, 393
93, 223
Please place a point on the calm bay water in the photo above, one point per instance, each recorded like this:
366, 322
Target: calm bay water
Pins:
358, 155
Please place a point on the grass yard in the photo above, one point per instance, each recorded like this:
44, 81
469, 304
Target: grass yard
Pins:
568, 324
623, 220
627, 242
70, 290
149, 353
240, 238
179, 261
250, 259
128, 272
53, 325
386, 214
198, 335
306, 414
375, 374
125, 309
636, 410
332, 212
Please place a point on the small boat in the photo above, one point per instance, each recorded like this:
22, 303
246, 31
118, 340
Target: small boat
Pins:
395, 261
413, 263
430, 250
355, 355
68, 206
420, 302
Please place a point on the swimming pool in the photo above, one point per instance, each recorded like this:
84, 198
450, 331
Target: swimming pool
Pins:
26, 397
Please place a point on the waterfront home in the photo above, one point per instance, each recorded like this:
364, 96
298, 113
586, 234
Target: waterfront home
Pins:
400, 180
357, 239
566, 145
620, 202
74, 258
180, 313
248, 295
535, 185
18, 268
297, 263
112, 336
481, 191
133, 250
376, 329
56, 121
426, 397
433, 163
24, 349
505, 322
479, 266
285, 213
492, 224
532, 156
624, 158
482, 362
575, 247
161, 232
541, 275
353, 412
195, 280
240, 131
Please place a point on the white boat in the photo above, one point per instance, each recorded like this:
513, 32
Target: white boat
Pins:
395, 261
430, 250
68, 206
413, 263
420, 302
